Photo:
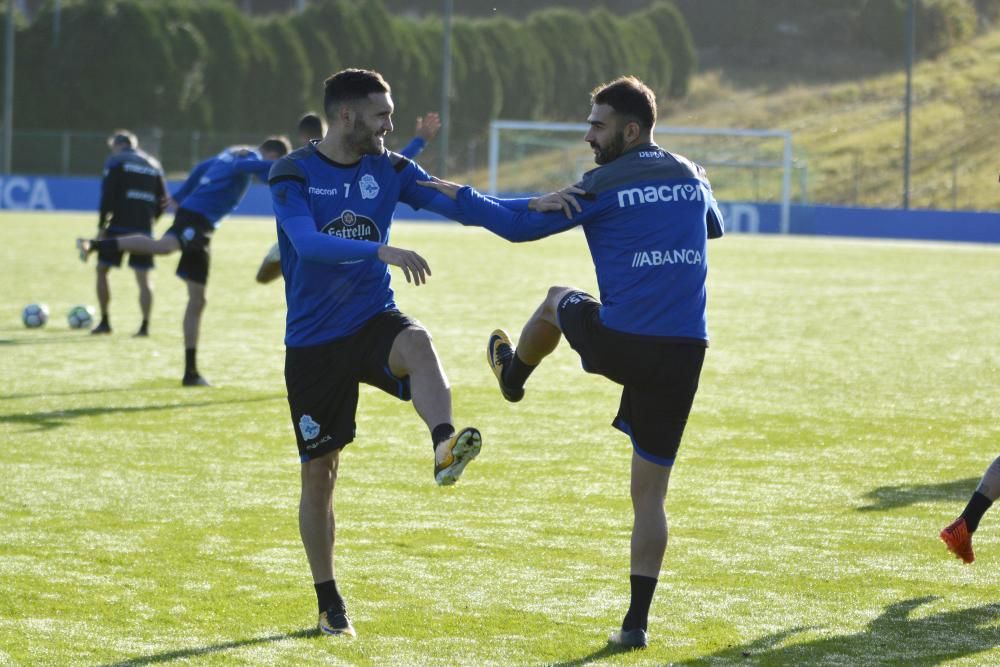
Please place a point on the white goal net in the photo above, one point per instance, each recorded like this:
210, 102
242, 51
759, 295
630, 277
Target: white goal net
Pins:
743, 165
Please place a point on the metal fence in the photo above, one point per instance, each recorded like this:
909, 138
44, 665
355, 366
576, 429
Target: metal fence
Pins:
84, 153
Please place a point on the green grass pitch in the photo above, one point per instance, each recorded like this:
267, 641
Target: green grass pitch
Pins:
846, 411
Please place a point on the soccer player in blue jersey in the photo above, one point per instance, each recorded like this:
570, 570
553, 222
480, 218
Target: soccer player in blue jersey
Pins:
213, 189
333, 202
647, 215
133, 196
311, 128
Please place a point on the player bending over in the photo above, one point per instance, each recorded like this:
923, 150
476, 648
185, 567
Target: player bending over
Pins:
957, 536
647, 215
213, 189
311, 128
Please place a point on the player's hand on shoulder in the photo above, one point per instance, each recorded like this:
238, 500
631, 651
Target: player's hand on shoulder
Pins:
560, 200
447, 188
412, 264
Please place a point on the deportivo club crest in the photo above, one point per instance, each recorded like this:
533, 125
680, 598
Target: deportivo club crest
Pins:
352, 226
369, 187
308, 427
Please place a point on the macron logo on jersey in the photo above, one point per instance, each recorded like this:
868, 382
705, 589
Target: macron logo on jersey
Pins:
665, 193
327, 192
661, 257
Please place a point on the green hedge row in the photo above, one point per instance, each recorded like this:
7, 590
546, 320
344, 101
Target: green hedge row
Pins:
181, 64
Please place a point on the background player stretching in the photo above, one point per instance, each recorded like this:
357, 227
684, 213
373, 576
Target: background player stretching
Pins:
213, 189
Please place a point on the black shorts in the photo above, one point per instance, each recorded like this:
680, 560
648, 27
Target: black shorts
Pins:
323, 380
113, 258
194, 231
659, 375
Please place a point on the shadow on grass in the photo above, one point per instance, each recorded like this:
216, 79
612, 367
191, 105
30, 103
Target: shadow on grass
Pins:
604, 652
52, 339
78, 392
185, 654
44, 421
903, 495
892, 638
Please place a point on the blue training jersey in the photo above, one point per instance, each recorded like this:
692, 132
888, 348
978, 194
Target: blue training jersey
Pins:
216, 186
329, 300
647, 216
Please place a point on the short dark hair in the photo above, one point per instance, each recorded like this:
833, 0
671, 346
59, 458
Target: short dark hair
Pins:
628, 96
349, 85
122, 138
311, 125
279, 145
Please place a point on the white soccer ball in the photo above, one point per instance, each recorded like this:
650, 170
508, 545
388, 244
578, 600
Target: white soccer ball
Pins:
35, 315
80, 317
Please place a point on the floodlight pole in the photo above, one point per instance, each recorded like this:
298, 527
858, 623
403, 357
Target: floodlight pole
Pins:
8, 90
911, 28
449, 6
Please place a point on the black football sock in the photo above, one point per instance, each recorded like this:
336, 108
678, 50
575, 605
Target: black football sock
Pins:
440, 433
144, 327
637, 616
516, 373
97, 245
328, 596
190, 367
975, 510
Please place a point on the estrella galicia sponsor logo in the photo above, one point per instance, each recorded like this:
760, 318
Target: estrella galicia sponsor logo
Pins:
661, 257
369, 187
352, 226
323, 192
308, 427
663, 193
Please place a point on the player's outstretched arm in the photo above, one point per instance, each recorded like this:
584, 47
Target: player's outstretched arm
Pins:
474, 208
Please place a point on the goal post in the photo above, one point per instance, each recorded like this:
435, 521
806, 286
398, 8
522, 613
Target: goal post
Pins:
744, 164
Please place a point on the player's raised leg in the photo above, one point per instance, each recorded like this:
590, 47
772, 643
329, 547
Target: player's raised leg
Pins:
413, 356
539, 338
957, 536
317, 527
135, 243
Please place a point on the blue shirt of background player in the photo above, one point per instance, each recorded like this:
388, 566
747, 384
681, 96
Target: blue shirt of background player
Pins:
647, 216
216, 186
334, 281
